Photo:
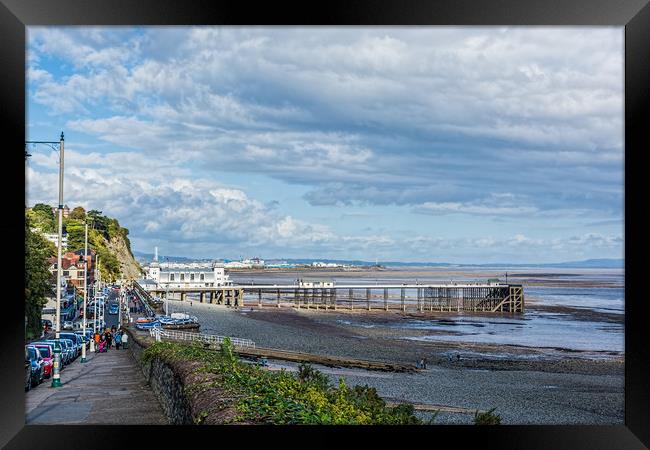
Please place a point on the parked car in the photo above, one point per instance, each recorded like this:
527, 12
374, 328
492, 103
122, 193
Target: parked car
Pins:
67, 350
28, 371
71, 348
113, 309
68, 325
64, 354
47, 353
76, 341
37, 365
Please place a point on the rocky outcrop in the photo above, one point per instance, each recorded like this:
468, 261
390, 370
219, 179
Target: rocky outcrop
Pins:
128, 265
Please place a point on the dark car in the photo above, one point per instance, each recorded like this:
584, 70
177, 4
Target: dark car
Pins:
28, 371
37, 365
76, 340
86, 336
113, 309
67, 350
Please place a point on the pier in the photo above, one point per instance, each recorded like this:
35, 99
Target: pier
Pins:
449, 297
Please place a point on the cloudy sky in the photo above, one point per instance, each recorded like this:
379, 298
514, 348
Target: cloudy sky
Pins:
440, 144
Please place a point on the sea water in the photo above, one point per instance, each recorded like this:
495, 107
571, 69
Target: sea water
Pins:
540, 327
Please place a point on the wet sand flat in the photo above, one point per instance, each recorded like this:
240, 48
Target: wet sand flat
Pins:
526, 385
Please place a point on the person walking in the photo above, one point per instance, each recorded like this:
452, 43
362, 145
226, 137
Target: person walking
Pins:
96, 337
125, 340
109, 339
118, 341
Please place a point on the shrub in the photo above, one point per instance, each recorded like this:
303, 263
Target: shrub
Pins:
282, 397
307, 374
487, 418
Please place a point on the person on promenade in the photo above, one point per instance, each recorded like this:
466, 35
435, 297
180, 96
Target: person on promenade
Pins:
125, 340
109, 339
118, 341
96, 337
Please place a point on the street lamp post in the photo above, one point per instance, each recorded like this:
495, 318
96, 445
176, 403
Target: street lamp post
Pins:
83, 327
56, 375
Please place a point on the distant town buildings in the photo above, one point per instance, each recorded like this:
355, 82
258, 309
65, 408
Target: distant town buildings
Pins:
323, 264
252, 263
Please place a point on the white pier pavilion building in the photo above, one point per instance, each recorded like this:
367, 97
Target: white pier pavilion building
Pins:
186, 275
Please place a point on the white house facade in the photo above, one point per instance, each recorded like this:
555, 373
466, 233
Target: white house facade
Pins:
188, 276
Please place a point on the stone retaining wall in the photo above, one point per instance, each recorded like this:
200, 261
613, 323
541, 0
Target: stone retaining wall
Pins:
165, 381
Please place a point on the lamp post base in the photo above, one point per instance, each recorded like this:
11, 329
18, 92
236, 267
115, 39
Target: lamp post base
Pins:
56, 382
83, 360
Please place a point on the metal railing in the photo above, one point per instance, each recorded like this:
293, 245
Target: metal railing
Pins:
158, 333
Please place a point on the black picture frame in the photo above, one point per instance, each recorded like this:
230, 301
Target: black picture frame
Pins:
634, 15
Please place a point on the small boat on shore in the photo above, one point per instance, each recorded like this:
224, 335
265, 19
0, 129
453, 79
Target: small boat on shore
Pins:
145, 325
179, 321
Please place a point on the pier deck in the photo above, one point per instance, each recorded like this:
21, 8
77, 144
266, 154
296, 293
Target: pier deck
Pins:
466, 297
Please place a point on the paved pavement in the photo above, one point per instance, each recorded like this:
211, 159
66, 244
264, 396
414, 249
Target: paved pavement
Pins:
108, 389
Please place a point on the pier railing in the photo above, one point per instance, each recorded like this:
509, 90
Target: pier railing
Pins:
159, 333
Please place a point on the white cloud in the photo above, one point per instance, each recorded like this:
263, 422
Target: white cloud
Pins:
441, 119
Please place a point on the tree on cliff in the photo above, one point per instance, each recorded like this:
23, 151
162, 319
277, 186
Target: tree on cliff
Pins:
37, 278
41, 217
78, 213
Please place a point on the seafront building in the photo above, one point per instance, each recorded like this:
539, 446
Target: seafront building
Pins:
184, 275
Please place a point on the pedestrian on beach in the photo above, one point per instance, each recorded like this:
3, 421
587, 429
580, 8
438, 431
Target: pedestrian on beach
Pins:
118, 341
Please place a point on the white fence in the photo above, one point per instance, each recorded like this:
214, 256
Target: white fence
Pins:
159, 333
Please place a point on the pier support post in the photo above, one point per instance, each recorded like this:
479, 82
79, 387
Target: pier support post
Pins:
335, 298
403, 295
278, 298
183, 296
368, 298
201, 297
259, 298
350, 298
385, 299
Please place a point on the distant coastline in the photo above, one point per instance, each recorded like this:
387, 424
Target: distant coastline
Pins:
601, 263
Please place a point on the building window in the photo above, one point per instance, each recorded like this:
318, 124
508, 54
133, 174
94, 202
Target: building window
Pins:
171, 277
66, 273
202, 277
182, 277
191, 277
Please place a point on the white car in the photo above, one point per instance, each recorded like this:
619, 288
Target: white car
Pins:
68, 325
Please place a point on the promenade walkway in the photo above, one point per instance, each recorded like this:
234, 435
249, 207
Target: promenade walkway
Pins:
108, 389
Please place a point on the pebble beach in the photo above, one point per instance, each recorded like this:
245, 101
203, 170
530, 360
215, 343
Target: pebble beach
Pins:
526, 385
